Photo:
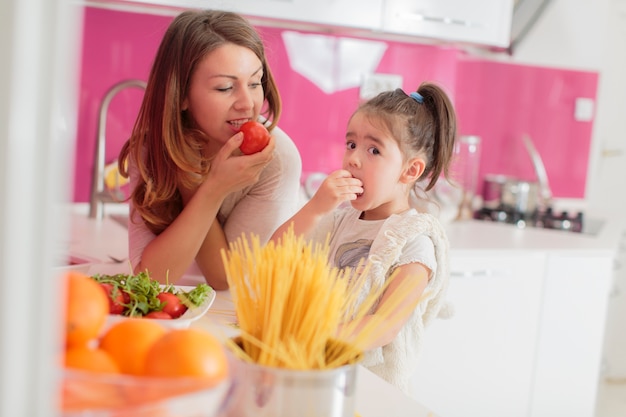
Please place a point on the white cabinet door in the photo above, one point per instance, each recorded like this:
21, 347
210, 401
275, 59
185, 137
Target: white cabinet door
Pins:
486, 22
615, 337
569, 348
480, 362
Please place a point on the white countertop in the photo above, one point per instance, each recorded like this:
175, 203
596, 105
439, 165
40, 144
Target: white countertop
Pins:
484, 235
99, 240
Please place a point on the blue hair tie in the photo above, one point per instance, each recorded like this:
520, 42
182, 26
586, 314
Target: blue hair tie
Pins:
417, 97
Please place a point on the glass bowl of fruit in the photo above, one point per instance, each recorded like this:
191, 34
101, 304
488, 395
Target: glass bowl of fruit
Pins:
92, 394
136, 366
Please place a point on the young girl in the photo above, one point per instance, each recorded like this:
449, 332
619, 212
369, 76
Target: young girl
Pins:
392, 141
192, 190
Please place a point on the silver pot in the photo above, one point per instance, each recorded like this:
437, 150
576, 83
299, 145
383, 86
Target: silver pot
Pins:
523, 196
512, 193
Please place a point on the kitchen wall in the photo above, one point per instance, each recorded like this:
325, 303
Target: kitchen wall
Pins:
497, 100
501, 102
586, 34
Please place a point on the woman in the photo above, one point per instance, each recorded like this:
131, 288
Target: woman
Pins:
192, 189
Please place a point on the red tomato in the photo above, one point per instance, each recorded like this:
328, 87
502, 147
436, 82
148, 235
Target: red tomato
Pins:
172, 304
158, 315
255, 137
117, 298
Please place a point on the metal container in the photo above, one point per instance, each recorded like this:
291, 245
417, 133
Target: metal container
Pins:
492, 190
263, 391
511, 193
520, 195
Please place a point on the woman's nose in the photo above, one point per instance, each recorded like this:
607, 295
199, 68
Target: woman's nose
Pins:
244, 100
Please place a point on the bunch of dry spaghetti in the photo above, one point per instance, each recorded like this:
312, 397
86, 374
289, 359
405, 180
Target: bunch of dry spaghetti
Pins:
295, 310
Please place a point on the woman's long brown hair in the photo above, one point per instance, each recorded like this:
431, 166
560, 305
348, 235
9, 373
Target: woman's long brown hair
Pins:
164, 145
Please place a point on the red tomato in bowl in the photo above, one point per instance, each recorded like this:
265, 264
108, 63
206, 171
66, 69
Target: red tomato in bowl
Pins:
255, 137
117, 298
172, 304
162, 315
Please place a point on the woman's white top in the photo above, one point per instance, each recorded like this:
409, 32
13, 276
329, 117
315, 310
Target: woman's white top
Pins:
257, 209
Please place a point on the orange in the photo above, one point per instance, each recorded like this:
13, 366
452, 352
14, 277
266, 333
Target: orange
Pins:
87, 308
128, 341
90, 359
188, 352
88, 382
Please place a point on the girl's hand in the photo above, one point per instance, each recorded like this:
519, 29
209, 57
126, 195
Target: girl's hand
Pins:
337, 187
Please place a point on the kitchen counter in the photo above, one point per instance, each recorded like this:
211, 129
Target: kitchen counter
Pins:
480, 235
99, 241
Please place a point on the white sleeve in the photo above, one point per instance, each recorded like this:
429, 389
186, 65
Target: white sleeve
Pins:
421, 250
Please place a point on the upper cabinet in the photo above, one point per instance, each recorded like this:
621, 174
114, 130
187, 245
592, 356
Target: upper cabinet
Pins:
358, 14
484, 22
480, 22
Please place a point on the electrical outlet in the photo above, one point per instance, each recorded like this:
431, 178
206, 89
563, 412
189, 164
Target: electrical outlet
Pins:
583, 111
377, 83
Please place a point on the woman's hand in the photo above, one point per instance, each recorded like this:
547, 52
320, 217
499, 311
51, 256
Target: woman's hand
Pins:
231, 171
196, 233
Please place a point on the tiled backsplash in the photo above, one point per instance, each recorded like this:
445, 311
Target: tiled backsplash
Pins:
497, 101
502, 102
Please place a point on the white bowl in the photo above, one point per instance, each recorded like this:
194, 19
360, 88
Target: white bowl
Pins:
184, 321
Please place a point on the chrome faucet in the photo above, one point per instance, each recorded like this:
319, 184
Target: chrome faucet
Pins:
99, 194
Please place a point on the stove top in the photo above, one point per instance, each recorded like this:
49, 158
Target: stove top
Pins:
546, 219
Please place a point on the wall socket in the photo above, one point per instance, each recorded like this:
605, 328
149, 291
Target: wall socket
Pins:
583, 109
377, 83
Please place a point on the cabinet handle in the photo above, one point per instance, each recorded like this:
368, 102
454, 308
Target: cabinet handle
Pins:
479, 273
439, 19
610, 153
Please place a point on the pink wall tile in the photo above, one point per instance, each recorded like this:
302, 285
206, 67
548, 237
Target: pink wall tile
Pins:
501, 102
116, 46
317, 121
496, 101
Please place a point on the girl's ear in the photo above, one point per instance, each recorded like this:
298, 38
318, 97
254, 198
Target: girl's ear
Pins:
414, 169
185, 105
